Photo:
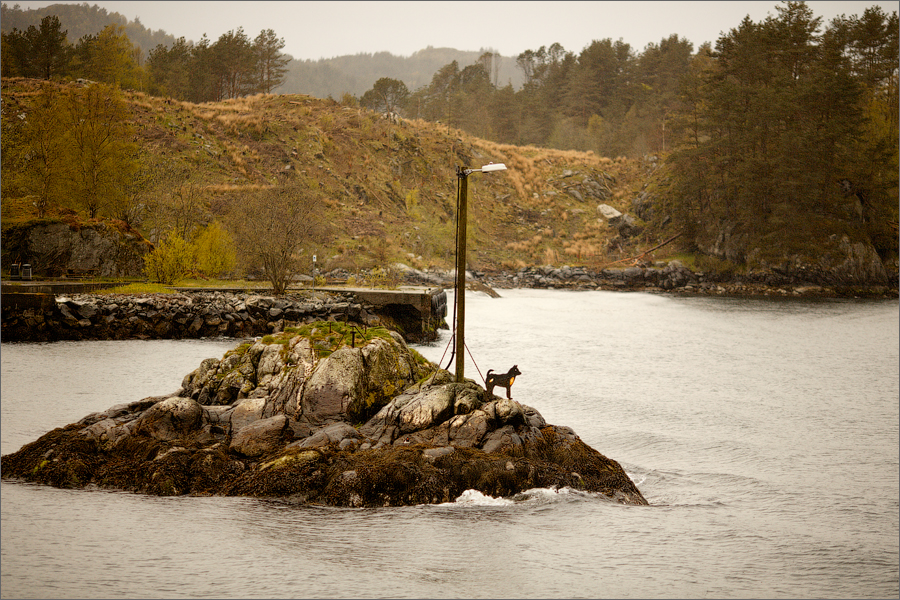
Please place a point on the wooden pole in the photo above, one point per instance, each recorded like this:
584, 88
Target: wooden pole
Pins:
461, 275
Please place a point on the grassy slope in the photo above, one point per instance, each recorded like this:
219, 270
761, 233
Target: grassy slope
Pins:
390, 188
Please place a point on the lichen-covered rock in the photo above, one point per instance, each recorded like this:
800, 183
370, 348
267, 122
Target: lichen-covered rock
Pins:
291, 428
388, 371
334, 386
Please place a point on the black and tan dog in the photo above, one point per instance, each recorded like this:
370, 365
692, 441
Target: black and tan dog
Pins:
504, 381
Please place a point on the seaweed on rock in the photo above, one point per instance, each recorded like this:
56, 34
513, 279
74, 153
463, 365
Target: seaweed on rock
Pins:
291, 428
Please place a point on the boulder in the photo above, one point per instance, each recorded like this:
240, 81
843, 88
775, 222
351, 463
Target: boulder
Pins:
427, 409
389, 369
262, 437
509, 412
505, 437
608, 212
468, 430
335, 385
627, 226
246, 412
336, 433
172, 419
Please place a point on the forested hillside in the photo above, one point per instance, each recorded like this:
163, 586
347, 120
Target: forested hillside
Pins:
79, 20
357, 74
327, 77
377, 191
775, 148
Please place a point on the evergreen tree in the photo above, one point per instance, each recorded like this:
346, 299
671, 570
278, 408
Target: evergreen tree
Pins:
170, 69
205, 84
435, 102
38, 52
271, 64
772, 123
234, 63
659, 71
386, 96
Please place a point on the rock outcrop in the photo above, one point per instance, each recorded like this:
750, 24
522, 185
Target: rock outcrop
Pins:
305, 416
52, 249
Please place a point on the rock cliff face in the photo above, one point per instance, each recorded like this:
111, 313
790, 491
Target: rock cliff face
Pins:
54, 248
303, 415
835, 262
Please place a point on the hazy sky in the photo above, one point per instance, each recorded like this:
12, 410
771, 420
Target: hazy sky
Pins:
314, 30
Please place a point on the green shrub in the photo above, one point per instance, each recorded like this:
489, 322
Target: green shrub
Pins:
170, 261
216, 254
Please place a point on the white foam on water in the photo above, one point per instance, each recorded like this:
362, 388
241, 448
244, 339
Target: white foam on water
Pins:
533, 496
476, 498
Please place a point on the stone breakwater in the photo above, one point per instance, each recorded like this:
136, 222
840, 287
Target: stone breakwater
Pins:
175, 316
290, 416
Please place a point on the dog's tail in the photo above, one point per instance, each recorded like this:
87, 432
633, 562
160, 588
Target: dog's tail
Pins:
488, 374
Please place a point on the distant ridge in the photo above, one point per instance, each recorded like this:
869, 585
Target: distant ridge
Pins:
357, 73
327, 77
79, 20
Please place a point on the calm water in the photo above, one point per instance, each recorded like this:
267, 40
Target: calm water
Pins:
764, 433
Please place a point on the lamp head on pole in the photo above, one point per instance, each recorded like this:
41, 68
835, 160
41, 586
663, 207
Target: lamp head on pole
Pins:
488, 168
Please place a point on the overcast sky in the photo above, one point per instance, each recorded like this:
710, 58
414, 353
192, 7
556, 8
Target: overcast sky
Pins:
314, 30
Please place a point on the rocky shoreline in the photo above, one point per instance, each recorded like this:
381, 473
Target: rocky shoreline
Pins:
306, 417
672, 277
228, 314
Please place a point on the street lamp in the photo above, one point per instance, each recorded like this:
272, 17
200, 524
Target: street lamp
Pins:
462, 175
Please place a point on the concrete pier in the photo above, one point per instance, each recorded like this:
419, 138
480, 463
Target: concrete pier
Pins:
405, 304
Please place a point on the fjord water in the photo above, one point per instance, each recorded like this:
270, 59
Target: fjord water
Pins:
764, 434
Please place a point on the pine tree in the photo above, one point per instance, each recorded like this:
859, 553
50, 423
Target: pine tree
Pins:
271, 64
38, 52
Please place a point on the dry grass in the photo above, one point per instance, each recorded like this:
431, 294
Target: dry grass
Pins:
224, 188
382, 178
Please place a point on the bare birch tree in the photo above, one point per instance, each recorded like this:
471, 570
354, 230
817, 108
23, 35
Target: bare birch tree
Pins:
276, 229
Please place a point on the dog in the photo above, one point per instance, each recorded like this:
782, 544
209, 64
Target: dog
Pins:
504, 381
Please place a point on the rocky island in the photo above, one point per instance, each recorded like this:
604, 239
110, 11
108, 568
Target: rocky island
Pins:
329, 413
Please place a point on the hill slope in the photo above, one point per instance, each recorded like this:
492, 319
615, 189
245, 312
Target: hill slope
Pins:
388, 187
